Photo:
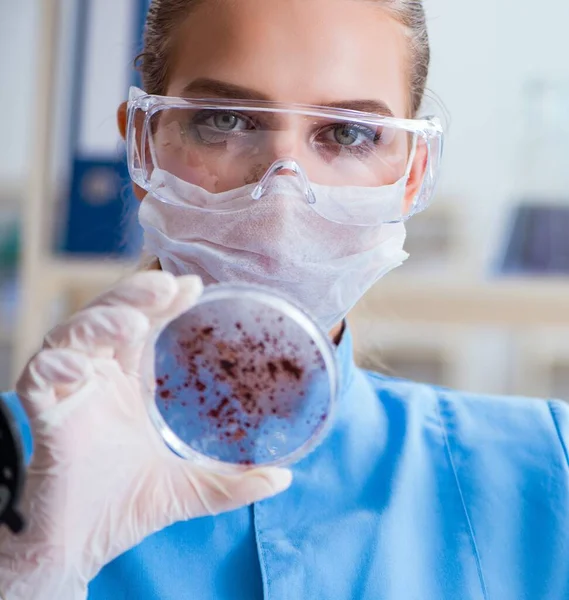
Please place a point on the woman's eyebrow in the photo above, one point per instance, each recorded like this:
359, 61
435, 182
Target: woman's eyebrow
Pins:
213, 88
369, 106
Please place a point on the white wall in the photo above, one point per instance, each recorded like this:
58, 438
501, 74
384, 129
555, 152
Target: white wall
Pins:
484, 51
19, 35
18, 23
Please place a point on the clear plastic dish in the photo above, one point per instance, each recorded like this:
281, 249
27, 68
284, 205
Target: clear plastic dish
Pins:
243, 379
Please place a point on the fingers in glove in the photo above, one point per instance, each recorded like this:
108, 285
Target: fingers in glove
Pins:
112, 332
49, 377
221, 493
159, 295
190, 289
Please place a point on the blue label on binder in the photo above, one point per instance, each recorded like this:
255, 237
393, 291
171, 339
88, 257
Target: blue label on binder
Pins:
102, 217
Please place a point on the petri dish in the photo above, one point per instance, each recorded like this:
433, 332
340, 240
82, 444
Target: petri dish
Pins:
243, 379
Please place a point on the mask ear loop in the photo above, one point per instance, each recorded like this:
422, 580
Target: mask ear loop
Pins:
288, 164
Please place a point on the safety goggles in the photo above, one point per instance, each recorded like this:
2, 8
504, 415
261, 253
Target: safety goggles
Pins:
351, 167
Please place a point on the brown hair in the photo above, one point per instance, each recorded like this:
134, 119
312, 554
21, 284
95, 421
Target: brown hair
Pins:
164, 16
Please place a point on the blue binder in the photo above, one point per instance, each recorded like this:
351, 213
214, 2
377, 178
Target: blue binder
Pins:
537, 243
101, 217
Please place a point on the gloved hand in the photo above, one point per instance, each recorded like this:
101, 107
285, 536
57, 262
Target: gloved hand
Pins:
101, 479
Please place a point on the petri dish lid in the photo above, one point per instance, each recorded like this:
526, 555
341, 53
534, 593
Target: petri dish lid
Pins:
243, 379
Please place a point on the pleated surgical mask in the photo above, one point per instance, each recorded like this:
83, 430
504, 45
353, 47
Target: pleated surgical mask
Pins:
279, 240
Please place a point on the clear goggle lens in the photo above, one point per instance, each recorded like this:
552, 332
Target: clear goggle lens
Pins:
224, 147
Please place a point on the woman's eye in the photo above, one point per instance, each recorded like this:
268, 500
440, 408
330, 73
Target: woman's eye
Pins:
345, 135
224, 121
348, 134
217, 127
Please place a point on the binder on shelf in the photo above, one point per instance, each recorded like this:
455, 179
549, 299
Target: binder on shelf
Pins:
100, 212
537, 241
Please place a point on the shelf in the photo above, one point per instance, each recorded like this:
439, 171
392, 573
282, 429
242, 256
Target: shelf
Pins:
510, 302
81, 273
521, 302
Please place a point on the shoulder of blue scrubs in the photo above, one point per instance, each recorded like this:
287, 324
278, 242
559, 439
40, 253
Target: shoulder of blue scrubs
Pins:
490, 420
473, 422
14, 405
508, 457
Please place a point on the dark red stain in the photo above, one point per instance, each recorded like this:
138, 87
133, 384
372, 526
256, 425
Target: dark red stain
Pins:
292, 368
239, 435
228, 366
272, 368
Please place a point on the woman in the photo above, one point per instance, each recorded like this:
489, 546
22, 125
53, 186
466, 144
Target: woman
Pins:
417, 492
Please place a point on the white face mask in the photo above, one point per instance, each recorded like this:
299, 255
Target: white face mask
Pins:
279, 241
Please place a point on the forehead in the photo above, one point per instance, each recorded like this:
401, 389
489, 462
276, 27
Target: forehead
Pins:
303, 51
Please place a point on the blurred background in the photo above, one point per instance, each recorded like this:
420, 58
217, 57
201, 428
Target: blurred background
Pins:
481, 305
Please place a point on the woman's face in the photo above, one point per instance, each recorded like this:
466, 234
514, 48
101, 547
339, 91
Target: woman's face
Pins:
337, 53
319, 52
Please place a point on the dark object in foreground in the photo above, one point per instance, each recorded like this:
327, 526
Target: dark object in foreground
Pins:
11, 471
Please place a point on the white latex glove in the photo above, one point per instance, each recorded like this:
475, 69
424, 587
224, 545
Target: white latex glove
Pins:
101, 478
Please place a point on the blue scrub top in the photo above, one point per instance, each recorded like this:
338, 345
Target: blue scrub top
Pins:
418, 493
